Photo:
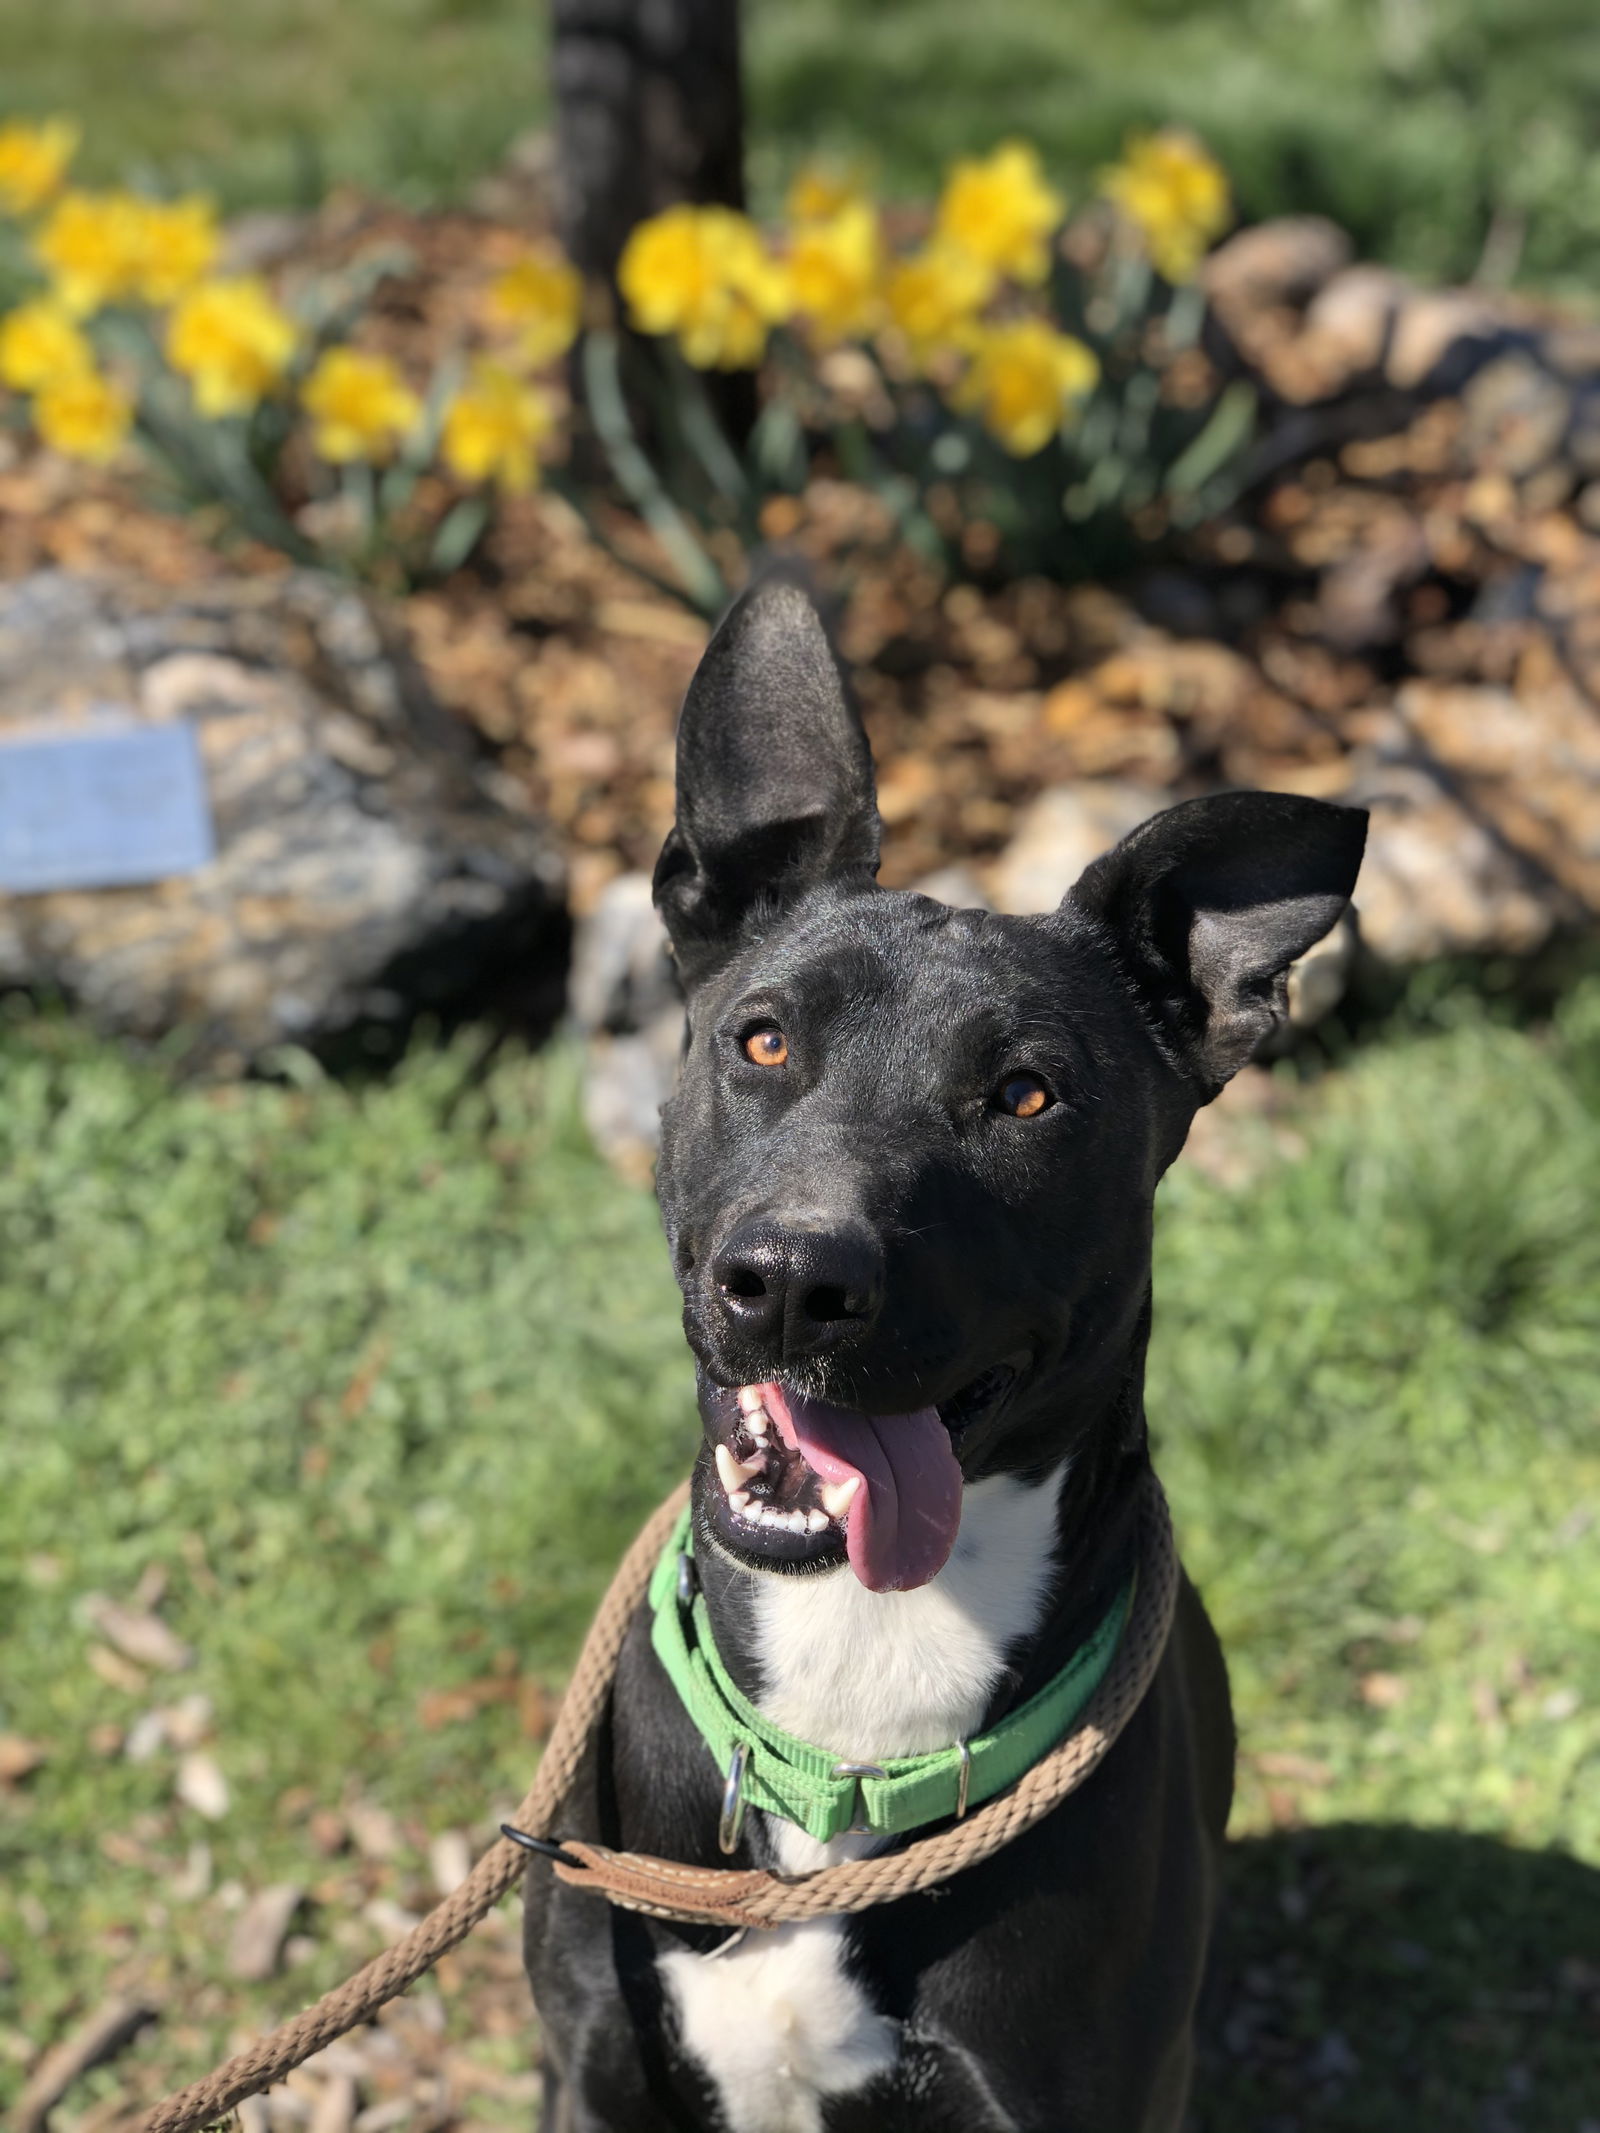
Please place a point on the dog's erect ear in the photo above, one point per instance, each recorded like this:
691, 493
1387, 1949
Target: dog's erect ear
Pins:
1209, 904
775, 790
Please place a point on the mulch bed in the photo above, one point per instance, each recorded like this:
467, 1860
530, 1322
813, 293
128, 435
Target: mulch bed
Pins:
1407, 550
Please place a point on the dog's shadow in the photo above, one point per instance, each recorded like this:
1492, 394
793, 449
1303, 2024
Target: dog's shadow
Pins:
1395, 1980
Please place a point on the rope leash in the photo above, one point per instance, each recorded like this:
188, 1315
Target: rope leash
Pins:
718, 1896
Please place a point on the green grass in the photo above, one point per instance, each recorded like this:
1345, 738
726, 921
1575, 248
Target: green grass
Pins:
270, 101
1411, 121
382, 1377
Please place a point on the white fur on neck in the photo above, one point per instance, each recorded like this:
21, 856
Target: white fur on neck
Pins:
778, 2023
875, 1674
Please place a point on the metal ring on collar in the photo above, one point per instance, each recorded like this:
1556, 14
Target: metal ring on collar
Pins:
856, 1827
733, 1800
963, 1778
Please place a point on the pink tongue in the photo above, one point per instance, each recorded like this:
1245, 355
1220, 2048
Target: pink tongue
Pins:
902, 1524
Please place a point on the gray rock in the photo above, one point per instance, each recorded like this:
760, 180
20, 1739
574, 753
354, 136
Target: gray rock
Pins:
1439, 337
1436, 881
368, 865
622, 975
1353, 317
1517, 415
954, 885
1284, 261
625, 1000
1061, 832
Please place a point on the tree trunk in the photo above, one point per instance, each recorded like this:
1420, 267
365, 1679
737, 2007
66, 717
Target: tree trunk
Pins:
649, 112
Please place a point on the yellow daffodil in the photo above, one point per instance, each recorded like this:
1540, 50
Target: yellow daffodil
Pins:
819, 191
233, 343
934, 297
1024, 380
179, 244
703, 274
83, 415
114, 248
93, 247
1176, 192
360, 405
33, 162
1001, 211
541, 297
494, 426
835, 270
39, 344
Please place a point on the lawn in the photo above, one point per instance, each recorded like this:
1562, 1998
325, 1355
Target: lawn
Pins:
1413, 122
361, 1388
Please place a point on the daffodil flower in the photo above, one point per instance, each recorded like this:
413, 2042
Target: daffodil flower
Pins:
1024, 381
39, 344
83, 416
493, 428
360, 406
1000, 210
703, 274
33, 162
1176, 194
233, 342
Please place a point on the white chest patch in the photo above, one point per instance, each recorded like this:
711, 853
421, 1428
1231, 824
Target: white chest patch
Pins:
778, 2023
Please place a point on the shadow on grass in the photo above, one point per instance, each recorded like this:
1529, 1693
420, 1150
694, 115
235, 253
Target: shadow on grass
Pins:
1396, 1980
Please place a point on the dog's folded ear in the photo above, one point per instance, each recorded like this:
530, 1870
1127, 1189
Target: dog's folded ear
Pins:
775, 792
1208, 904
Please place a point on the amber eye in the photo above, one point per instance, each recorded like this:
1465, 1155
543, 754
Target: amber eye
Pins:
1025, 1096
767, 1047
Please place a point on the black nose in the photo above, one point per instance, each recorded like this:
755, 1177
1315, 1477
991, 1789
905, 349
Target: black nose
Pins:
797, 1284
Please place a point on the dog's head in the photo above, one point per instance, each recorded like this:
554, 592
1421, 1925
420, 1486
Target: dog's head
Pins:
908, 1172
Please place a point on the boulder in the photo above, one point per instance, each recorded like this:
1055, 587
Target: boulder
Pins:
626, 1004
1058, 835
1284, 261
368, 863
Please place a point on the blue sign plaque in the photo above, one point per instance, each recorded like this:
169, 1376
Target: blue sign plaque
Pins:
105, 806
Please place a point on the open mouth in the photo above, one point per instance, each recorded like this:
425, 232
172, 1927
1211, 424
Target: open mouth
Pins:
801, 1482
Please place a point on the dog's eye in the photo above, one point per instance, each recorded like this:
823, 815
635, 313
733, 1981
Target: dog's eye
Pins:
1024, 1096
767, 1046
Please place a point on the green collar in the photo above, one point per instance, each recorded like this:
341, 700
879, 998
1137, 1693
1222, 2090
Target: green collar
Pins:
763, 1767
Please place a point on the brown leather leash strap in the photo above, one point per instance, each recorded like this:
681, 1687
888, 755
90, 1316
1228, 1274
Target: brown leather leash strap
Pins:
702, 1895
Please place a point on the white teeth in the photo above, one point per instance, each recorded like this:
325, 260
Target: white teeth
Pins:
816, 1521
837, 1496
739, 1499
755, 1414
732, 1472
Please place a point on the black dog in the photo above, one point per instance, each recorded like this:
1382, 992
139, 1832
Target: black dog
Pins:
907, 1180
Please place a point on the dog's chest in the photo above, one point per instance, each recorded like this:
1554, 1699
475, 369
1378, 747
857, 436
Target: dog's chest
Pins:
780, 2023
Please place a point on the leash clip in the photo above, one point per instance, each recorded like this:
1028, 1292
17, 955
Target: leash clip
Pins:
733, 1800
546, 1847
856, 1827
687, 1580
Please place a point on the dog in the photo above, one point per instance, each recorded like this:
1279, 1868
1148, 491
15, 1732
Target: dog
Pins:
907, 1179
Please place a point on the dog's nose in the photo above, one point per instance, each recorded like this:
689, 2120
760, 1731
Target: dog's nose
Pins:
799, 1285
